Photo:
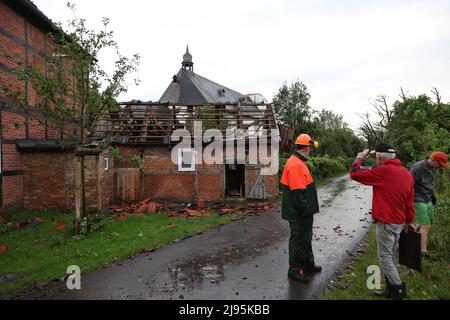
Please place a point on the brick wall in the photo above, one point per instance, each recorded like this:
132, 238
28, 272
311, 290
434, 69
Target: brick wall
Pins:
13, 191
163, 180
20, 42
50, 180
107, 180
272, 189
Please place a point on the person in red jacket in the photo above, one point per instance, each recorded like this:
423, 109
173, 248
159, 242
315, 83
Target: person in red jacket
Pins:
392, 209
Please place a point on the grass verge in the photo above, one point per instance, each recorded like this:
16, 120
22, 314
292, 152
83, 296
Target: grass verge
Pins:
43, 254
431, 283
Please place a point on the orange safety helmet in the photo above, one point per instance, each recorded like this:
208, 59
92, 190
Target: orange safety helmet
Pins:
306, 140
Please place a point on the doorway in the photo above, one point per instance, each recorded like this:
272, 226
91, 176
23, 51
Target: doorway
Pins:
235, 180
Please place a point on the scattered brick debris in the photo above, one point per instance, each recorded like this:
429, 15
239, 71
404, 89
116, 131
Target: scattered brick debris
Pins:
192, 211
59, 226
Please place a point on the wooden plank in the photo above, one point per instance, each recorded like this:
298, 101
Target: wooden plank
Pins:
99, 184
77, 192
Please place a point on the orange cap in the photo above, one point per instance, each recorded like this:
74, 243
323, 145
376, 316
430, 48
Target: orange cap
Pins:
306, 140
440, 157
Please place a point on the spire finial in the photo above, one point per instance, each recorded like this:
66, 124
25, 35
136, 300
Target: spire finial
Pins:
187, 60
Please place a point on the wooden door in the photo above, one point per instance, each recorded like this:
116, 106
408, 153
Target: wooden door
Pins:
129, 185
254, 183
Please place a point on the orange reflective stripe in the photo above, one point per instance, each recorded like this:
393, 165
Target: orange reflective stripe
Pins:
296, 174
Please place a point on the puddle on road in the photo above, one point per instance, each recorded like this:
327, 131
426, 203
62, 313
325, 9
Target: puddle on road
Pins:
211, 269
337, 189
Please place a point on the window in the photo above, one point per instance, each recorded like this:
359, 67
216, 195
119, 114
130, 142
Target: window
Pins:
186, 159
106, 164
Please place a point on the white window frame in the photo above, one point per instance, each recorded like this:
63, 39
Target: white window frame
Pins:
193, 159
105, 164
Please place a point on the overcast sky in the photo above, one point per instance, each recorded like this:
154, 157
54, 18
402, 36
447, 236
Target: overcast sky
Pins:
347, 52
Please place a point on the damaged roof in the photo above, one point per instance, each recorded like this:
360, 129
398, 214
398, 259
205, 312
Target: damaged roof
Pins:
188, 88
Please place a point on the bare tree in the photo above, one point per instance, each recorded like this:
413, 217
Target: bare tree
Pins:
383, 111
437, 95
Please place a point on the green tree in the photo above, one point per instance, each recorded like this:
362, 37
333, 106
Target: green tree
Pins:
291, 106
418, 127
74, 87
335, 137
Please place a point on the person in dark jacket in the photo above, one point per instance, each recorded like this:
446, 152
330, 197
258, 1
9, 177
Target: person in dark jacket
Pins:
299, 204
424, 173
392, 209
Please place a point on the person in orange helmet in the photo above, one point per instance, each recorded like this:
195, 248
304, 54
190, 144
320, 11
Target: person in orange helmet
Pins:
299, 204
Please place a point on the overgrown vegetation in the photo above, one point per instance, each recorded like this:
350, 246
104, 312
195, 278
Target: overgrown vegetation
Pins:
414, 125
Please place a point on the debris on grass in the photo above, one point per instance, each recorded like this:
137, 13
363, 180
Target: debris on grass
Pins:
34, 223
59, 226
3, 249
20, 225
192, 211
135, 208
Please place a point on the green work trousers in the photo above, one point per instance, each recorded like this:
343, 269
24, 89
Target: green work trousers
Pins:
300, 249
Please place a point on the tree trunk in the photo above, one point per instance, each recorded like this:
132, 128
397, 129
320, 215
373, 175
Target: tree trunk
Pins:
78, 194
80, 191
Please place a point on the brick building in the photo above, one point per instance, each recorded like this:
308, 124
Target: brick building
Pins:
35, 173
145, 129
23, 40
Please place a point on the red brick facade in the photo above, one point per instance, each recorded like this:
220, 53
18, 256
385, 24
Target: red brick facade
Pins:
21, 43
162, 180
50, 180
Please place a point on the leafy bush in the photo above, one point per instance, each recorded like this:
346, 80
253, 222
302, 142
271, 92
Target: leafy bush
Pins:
325, 167
6, 227
439, 235
90, 223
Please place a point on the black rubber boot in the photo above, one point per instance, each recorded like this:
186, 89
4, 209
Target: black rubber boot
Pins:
387, 293
313, 268
299, 275
398, 292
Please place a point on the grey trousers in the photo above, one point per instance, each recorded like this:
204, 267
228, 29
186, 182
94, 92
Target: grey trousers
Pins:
387, 240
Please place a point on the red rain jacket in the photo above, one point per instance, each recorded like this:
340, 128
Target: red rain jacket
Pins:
393, 191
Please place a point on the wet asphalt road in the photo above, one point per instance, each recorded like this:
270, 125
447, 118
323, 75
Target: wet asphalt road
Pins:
245, 259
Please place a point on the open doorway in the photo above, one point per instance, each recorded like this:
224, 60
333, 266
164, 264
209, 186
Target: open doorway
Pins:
235, 180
